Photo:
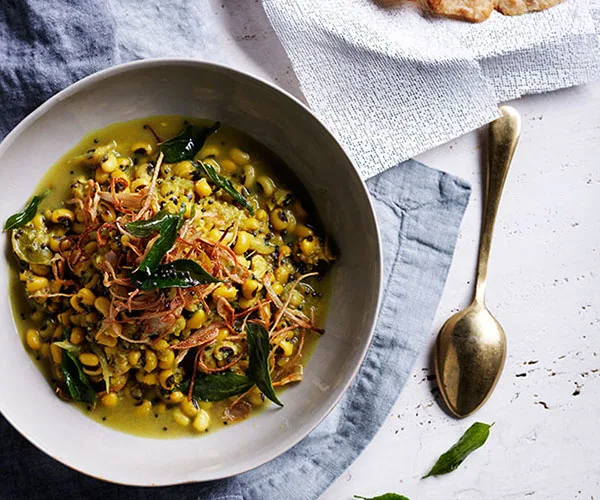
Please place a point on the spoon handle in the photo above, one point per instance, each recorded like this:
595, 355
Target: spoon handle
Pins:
503, 138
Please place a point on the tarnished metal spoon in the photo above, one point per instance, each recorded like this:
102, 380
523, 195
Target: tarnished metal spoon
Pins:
471, 347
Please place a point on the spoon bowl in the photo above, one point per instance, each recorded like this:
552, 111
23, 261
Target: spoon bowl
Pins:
471, 347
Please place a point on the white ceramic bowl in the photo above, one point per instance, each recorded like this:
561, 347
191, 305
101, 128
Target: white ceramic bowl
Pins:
283, 124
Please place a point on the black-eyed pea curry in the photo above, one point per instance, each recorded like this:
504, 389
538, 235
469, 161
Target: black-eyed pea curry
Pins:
169, 280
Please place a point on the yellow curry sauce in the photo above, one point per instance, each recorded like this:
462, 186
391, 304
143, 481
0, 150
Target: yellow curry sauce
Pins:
76, 293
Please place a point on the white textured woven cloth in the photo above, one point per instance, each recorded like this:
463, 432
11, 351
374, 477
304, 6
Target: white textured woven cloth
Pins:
394, 82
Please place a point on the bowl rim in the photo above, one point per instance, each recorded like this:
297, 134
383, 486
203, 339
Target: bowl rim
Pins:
98, 77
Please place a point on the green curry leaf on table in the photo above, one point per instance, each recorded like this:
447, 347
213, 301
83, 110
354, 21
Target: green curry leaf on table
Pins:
473, 438
385, 496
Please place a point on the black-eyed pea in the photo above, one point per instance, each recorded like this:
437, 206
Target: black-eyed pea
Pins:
189, 408
226, 291
282, 274
77, 335
139, 184
62, 216
176, 397
35, 284
184, 169
107, 212
110, 399
296, 298
261, 215
250, 288
279, 219
287, 347
101, 176
58, 333
196, 320
202, 189
134, 357
285, 251
151, 361
40, 269
38, 221
56, 353
141, 148
303, 231
117, 382
166, 378
150, 379
247, 303
251, 224
33, 340
209, 150
102, 305
166, 359
249, 176
109, 163
88, 359
267, 185
86, 297
142, 409
180, 418
242, 243
45, 351
107, 340
308, 245
228, 166
239, 157
201, 421
160, 345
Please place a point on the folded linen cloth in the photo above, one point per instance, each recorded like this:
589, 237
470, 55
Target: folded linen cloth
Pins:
48, 44
392, 82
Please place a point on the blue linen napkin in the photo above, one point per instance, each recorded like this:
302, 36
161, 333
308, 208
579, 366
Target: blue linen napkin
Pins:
48, 44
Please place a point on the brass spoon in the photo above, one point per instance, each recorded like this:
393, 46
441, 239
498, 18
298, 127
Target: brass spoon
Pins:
471, 347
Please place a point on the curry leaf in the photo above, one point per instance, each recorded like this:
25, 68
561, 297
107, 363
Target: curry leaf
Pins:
182, 273
144, 228
385, 496
168, 235
185, 145
258, 356
77, 381
24, 216
217, 386
473, 438
226, 185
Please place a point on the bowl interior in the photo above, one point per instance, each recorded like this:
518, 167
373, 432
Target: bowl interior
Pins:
286, 127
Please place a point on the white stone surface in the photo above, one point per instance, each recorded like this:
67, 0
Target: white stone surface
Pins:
543, 288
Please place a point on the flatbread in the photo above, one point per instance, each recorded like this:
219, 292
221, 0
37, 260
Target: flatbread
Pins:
468, 10
479, 10
518, 7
